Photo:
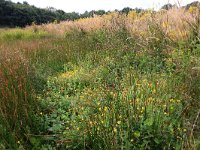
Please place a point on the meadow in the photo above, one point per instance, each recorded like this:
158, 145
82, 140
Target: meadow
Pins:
109, 82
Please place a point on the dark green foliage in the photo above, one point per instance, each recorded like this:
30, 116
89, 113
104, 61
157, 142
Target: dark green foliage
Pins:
167, 6
17, 14
23, 14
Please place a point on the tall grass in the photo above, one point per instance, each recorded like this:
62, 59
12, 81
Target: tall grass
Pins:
16, 97
110, 82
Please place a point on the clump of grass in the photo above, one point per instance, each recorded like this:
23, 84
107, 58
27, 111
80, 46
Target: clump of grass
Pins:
20, 34
16, 99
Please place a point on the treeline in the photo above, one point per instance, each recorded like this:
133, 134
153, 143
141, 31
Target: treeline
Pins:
22, 14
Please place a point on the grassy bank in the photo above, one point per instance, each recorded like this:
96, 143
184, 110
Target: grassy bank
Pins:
110, 82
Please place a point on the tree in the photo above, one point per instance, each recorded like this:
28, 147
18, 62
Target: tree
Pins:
126, 10
167, 6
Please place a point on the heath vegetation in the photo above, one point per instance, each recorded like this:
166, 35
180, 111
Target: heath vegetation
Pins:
115, 81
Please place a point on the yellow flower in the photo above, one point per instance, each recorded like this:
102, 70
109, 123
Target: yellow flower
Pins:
118, 122
81, 97
106, 108
154, 91
165, 24
192, 9
115, 130
132, 14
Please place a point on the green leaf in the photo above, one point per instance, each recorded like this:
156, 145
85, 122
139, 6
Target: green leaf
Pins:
148, 122
157, 141
34, 141
137, 134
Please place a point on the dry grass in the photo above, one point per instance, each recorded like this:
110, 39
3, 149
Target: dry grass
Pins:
174, 23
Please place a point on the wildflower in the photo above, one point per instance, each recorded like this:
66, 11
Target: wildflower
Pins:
119, 122
115, 130
184, 130
81, 97
150, 84
154, 91
165, 24
192, 9
138, 84
106, 108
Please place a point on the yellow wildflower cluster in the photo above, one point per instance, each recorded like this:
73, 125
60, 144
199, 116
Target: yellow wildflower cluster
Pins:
193, 9
132, 15
69, 74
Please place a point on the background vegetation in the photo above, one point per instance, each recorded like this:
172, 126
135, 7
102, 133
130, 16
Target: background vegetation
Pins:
23, 14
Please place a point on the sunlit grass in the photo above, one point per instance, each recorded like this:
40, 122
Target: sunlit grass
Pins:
110, 82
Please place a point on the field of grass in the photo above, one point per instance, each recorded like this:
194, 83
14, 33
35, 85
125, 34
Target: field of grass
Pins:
109, 82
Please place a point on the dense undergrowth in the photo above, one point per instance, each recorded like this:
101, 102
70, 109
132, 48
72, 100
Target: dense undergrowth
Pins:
110, 82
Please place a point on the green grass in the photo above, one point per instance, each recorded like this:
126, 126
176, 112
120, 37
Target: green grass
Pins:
21, 34
99, 90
